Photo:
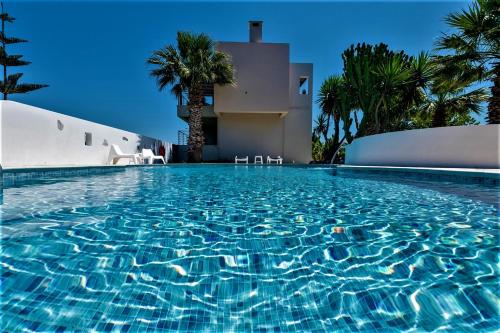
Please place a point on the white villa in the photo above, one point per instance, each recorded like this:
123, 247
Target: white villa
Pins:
269, 110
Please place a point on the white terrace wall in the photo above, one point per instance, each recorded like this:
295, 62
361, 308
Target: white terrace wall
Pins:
453, 147
35, 137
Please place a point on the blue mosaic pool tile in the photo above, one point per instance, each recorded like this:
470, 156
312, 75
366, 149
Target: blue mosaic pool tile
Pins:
268, 249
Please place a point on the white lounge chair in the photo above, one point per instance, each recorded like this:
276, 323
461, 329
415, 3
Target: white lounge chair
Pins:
115, 154
147, 154
271, 160
241, 159
258, 160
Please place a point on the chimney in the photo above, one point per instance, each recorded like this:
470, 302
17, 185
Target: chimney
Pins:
255, 31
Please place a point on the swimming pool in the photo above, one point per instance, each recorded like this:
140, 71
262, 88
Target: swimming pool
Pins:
244, 248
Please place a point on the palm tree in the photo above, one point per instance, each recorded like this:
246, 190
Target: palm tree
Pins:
321, 127
192, 65
327, 101
10, 83
476, 49
393, 76
336, 102
413, 94
446, 103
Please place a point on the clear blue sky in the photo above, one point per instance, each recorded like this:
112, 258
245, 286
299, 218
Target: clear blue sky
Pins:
92, 54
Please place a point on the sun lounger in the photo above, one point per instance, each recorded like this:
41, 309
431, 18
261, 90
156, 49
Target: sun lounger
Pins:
115, 154
147, 154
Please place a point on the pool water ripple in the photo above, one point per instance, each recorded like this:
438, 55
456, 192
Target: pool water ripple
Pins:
262, 249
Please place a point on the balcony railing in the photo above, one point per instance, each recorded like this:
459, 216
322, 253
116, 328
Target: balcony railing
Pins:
206, 112
182, 137
208, 96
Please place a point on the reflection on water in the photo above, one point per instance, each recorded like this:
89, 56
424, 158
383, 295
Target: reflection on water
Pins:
224, 248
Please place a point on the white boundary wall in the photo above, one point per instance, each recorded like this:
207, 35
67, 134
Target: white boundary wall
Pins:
35, 137
452, 147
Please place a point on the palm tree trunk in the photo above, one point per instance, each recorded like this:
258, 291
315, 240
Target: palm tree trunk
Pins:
377, 114
336, 134
439, 117
333, 147
337, 150
494, 102
325, 133
356, 122
195, 139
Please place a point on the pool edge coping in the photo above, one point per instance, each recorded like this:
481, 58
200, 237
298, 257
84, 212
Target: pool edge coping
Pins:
467, 172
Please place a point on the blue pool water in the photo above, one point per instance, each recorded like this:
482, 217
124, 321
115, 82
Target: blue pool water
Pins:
248, 249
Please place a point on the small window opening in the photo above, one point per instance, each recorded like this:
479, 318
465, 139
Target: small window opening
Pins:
88, 139
124, 138
304, 85
255, 24
208, 100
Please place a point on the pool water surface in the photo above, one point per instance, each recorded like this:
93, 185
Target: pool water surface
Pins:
248, 249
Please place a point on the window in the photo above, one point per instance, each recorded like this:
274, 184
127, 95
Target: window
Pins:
208, 100
88, 139
124, 138
304, 85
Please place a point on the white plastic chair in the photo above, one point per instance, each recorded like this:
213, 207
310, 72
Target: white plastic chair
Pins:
258, 160
115, 154
241, 159
271, 160
147, 154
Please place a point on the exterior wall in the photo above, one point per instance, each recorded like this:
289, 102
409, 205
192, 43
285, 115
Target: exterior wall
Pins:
32, 137
249, 135
460, 146
261, 72
298, 141
210, 153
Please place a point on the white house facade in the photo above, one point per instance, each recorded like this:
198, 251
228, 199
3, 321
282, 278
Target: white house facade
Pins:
268, 111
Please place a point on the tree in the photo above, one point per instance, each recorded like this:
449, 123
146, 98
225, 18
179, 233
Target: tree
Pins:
192, 65
336, 104
451, 105
317, 149
412, 95
475, 47
321, 127
392, 75
10, 83
327, 100
384, 85
359, 65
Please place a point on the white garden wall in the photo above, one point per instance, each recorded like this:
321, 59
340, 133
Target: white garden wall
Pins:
35, 137
453, 147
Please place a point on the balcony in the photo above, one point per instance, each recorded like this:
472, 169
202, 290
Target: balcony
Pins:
207, 110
